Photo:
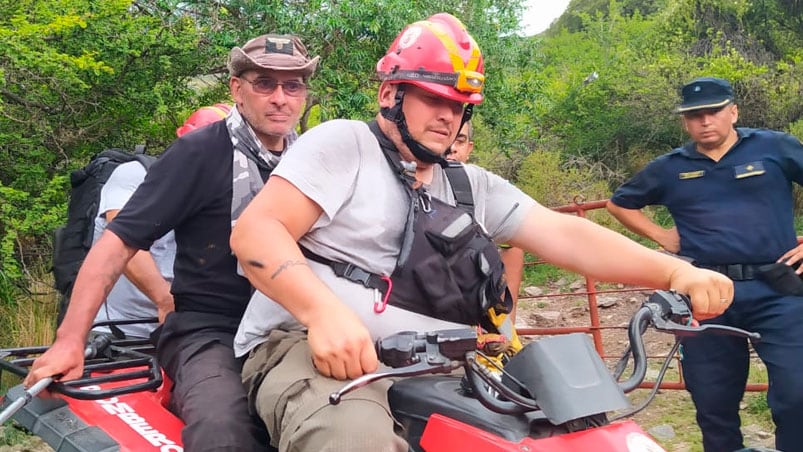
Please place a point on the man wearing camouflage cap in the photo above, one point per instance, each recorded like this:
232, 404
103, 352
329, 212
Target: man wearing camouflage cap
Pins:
729, 191
213, 172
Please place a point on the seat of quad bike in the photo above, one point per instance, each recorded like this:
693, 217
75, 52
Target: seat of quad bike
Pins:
413, 400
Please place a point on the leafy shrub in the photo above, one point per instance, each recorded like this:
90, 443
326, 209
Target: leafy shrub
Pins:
553, 183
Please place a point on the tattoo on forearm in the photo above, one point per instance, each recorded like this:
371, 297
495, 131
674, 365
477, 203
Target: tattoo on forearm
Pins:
285, 266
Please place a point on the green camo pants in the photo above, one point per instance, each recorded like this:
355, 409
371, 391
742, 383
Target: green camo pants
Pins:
292, 398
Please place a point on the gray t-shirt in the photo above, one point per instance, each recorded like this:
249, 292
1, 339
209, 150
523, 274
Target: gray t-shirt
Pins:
341, 167
125, 301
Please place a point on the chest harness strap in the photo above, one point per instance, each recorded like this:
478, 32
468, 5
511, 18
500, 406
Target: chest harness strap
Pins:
458, 274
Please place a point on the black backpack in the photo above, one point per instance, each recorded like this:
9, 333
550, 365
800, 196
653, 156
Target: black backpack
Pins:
71, 242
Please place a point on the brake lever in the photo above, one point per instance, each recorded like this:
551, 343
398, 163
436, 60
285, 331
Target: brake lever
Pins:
670, 309
421, 368
685, 331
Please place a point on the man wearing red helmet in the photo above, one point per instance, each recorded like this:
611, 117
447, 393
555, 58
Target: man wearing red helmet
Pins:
149, 272
359, 234
198, 187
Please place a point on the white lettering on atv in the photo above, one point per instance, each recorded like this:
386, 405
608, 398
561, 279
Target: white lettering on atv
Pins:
125, 413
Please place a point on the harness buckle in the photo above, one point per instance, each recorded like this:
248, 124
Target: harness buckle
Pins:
357, 274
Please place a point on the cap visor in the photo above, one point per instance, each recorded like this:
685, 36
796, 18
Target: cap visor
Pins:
703, 106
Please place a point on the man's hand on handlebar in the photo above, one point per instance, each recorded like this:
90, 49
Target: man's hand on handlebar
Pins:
711, 293
64, 360
341, 345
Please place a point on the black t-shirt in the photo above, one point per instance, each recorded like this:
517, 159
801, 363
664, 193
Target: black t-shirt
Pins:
189, 189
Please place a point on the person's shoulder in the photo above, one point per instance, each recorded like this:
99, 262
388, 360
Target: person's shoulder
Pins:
750, 133
338, 126
133, 166
477, 173
217, 131
336, 134
680, 152
768, 134
760, 133
687, 149
473, 171
132, 170
659, 164
205, 142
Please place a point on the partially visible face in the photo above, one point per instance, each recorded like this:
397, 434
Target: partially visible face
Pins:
271, 115
432, 120
462, 146
710, 128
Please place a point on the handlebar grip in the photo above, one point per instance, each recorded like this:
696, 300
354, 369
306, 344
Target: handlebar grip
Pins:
98, 345
399, 350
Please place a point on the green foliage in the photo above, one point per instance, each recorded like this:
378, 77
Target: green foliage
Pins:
542, 275
14, 435
545, 178
8, 292
24, 218
758, 406
643, 54
78, 76
796, 129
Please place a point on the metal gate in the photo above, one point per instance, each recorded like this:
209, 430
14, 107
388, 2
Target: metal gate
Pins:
595, 327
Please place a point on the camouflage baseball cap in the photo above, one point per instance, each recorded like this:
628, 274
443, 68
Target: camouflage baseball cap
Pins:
274, 52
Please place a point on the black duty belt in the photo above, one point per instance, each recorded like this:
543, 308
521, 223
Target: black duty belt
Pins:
736, 272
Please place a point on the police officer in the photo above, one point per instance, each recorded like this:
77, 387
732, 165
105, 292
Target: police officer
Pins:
729, 191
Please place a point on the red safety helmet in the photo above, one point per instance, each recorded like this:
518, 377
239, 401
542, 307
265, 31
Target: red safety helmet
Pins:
202, 117
437, 55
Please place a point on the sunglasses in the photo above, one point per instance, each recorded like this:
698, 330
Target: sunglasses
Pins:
268, 86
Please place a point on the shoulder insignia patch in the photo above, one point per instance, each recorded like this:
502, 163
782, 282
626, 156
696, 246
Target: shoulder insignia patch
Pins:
749, 169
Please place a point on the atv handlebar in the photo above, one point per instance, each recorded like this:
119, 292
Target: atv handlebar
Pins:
411, 354
670, 312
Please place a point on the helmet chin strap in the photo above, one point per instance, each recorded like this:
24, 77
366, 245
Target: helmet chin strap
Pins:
421, 152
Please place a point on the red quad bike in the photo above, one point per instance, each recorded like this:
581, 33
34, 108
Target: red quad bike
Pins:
118, 404
554, 395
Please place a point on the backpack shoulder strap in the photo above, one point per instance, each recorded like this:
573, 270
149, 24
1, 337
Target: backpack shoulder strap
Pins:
392, 156
461, 185
144, 159
455, 172
408, 182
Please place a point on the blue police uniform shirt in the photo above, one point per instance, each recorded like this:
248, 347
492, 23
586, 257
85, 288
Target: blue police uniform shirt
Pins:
739, 210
